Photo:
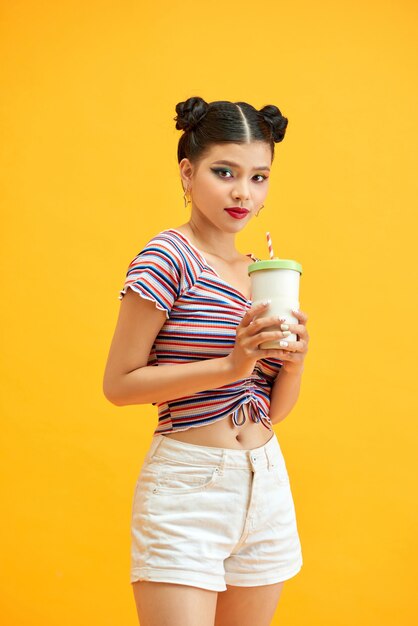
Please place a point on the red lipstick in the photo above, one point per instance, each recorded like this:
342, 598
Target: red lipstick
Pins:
237, 212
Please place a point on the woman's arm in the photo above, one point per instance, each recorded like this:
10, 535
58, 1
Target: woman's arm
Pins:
284, 394
286, 387
128, 379
158, 384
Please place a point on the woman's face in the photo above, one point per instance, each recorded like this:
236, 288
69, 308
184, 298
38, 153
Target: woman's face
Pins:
215, 185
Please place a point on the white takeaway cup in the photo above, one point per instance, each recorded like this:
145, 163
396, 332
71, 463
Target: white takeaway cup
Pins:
276, 280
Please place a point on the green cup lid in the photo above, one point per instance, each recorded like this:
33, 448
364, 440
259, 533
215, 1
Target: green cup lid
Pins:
275, 264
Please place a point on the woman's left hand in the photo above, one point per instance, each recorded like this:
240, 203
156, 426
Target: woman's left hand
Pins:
294, 354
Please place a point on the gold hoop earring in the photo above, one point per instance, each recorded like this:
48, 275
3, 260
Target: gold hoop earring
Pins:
262, 207
186, 198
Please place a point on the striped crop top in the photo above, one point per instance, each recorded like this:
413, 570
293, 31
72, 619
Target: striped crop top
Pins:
203, 312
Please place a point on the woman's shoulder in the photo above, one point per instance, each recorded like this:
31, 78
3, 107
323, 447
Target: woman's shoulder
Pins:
170, 248
166, 241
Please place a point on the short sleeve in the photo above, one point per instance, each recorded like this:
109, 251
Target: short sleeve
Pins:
155, 273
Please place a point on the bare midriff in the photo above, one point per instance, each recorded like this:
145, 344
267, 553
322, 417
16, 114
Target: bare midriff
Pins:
224, 434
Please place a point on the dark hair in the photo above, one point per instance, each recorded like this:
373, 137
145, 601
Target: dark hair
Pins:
221, 121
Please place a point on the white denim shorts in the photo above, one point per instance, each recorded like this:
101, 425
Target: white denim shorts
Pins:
208, 517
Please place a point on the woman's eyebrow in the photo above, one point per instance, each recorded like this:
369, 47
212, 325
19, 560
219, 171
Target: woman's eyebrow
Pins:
262, 167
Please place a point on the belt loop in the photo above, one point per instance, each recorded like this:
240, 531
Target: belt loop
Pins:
157, 439
223, 460
270, 458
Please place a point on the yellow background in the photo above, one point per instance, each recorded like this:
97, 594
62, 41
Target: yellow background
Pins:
89, 174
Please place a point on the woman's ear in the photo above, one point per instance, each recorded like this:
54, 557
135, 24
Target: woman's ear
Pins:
186, 172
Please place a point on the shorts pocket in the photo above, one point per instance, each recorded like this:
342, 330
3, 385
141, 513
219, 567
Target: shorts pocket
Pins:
179, 479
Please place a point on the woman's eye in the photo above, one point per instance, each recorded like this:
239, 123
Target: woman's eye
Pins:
219, 171
262, 177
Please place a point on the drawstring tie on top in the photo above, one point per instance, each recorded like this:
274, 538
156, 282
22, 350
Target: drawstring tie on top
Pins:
248, 409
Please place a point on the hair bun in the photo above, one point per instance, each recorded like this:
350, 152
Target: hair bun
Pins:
190, 112
277, 122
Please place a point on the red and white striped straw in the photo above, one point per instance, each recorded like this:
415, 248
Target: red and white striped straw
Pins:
270, 245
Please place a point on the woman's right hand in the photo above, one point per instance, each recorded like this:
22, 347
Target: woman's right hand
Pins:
250, 333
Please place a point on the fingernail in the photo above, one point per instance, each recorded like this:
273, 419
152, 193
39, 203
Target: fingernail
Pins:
283, 344
265, 302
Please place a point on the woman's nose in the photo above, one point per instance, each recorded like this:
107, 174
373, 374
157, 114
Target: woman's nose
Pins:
242, 191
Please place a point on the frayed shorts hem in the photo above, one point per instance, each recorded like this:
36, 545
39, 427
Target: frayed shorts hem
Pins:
183, 577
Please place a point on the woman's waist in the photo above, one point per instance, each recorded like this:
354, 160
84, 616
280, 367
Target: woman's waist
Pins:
237, 429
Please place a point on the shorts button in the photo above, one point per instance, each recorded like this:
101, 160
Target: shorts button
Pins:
254, 459
216, 469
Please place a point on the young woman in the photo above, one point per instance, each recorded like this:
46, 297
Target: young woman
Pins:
214, 531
